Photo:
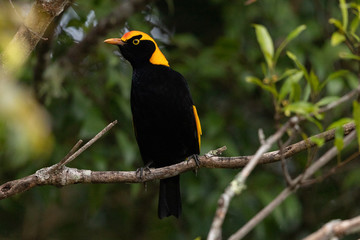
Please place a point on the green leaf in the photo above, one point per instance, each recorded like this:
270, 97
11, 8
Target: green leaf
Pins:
347, 55
339, 132
357, 38
295, 33
287, 73
339, 123
336, 23
288, 39
266, 43
334, 75
307, 93
302, 108
356, 7
316, 122
314, 82
356, 116
355, 22
344, 13
298, 64
337, 74
288, 86
258, 82
326, 100
339, 138
354, 25
318, 141
295, 94
337, 38
263, 69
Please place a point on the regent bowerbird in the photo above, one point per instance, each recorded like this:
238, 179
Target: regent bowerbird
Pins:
166, 124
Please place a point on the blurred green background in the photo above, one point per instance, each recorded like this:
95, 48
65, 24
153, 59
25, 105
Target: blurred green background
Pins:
213, 44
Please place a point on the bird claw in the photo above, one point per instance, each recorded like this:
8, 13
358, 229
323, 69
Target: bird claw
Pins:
197, 161
142, 171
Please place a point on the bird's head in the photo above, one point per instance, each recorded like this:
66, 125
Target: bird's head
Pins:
139, 49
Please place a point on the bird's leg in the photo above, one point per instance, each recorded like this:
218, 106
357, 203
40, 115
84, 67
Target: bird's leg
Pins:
196, 159
140, 171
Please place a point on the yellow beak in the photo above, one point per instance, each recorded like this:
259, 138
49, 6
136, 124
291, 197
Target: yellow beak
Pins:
115, 41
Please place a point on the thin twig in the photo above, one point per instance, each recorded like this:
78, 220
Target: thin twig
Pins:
89, 143
324, 159
336, 229
238, 184
283, 159
332, 171
341, 100
261, 136
62, 162
284, 165
71, 152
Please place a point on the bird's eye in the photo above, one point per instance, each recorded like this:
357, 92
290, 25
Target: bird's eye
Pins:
136, 41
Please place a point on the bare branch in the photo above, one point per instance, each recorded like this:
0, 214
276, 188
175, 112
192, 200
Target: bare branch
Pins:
62, 176
216, 152
275, 156
89, 143
301, 179
341, 100
284, 164
32, 30
71, 152
238, 184
332, 171
324, 159
261, 136
336, 229
54, 175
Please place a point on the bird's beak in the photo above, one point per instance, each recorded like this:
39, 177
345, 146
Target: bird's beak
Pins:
115, 41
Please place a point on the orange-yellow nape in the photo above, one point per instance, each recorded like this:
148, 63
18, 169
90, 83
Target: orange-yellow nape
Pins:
158, 57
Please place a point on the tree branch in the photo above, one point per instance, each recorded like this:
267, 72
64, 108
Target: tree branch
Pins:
29, 34
336, 229
324, 159
59, 175
237, 185
274, 156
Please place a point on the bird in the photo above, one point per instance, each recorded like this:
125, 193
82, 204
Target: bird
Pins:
165, 120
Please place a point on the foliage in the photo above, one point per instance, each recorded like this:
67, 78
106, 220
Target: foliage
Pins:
221, 47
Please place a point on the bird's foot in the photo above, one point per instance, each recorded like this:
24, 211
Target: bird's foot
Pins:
196, 159
140, 172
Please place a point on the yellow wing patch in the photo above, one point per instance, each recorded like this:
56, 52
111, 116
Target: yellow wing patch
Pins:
198, 125
158, 57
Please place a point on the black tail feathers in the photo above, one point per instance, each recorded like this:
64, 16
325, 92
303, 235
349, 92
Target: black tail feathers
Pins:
169, 197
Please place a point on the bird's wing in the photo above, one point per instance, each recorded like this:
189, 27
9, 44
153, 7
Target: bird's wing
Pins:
198, 126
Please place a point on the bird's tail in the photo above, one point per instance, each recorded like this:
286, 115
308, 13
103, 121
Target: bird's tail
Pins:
169, 197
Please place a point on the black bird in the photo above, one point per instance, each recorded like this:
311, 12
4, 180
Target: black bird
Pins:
166, 124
